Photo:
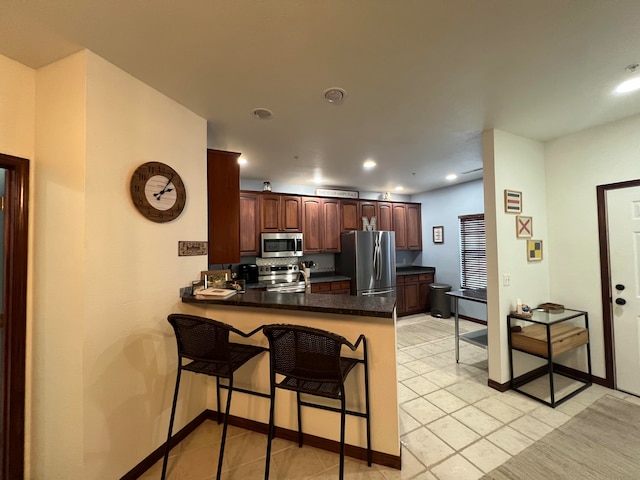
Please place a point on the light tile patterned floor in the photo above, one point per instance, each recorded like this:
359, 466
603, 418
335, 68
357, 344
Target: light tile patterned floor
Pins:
453, 426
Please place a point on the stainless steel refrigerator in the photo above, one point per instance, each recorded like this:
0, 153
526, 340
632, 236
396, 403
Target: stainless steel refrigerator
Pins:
369, 258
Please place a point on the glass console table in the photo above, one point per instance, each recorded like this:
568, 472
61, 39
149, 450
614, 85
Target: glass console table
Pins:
478, 337
547, 335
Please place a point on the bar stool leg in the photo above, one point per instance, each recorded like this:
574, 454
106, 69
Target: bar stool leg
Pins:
271, 431
218, 398
343, 409
299, 421
173, 414
368, 411
224, 428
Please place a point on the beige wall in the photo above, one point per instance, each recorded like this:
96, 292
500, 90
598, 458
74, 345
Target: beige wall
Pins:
513, 163
105, 277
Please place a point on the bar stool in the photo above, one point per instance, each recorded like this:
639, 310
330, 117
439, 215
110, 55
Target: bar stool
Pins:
310, 362
206, 343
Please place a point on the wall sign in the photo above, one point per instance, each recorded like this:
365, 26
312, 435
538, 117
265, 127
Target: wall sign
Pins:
438, 234
524, 227
512, 201
330, 192
534, 250
188, 249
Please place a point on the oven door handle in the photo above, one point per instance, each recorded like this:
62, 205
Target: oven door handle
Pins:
378, 292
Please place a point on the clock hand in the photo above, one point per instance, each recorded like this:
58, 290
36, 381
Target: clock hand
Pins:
164, 190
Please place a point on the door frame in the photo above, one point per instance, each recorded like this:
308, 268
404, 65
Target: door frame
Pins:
15, 295
605, 277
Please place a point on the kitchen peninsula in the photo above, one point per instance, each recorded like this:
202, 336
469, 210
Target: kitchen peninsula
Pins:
345, 315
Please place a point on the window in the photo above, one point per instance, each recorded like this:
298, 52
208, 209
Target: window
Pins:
473, 251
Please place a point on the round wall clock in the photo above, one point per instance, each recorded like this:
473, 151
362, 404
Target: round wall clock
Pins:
158, 192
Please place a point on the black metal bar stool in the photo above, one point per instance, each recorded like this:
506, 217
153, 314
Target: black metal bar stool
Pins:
310, 361
206, 343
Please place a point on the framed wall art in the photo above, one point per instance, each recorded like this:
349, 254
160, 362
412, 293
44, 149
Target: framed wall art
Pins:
534, 250
215, 278
524, 227
512, 201
438, 234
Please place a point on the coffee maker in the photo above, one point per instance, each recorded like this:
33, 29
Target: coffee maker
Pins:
248, 272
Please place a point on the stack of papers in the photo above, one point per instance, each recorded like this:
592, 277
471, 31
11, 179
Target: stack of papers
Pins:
213, 292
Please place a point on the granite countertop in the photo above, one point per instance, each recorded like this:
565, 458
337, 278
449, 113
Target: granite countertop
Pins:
413, 270
306, 302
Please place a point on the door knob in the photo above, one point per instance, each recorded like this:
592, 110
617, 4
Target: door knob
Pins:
619, 287
621, 301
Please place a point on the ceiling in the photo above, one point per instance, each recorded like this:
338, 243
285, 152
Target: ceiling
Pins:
423, 78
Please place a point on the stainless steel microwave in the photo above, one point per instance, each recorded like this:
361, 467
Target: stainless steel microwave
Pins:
281, 245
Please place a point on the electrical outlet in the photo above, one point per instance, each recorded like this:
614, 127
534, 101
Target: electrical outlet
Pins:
506, 279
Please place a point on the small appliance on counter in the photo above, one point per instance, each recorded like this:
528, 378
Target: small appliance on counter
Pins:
248, 272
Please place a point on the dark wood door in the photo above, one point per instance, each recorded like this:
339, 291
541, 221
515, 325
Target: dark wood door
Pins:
424, 305
249, 224
369, 210
385, 221
291, 218
349, 215
332, 226
400, 225
400, 304
312, 224
223, 196
414, 227
270, 213
411, 297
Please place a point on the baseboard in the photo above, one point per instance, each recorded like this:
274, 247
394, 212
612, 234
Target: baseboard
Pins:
501, 387
158, 453
472, 319
352, 451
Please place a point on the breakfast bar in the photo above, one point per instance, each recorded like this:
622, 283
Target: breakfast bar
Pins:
344, 315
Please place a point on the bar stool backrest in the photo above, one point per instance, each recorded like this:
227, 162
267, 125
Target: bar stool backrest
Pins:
305, 353
201, 339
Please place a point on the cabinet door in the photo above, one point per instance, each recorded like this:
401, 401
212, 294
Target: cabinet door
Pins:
400, 225
400, 308
349, 215
291, 218
414, 227
331, 222
223, 200
270, 213
385, 221
369, 210
312, 224
423, 300
324, 287
249, 224
411, 297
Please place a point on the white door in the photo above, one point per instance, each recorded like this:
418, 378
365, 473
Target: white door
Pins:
623, 212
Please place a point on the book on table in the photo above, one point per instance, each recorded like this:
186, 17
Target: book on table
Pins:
215, 292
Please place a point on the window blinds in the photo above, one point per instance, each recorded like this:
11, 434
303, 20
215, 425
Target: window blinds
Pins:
473, 252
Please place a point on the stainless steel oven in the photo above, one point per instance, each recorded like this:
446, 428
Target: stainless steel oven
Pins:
274, 245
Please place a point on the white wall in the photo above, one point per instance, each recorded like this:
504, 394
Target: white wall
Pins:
575, 165
106, 278
515, 163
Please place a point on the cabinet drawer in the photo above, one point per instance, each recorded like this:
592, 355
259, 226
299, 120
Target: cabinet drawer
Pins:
341, 285
564, 337
426, 277
411, 278
320, 287
399, 279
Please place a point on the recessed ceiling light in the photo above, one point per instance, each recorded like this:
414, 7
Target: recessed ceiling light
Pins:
629, 85
334, 94
262, 113
242, 161
369, 164
399, 188
451, 176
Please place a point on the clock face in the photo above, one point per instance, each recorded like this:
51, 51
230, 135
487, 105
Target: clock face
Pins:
158, 192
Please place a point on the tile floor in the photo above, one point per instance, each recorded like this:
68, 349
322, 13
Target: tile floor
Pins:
453, 426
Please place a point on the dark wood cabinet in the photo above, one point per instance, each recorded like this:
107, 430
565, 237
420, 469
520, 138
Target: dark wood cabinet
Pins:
368, 210
413, 226
349, 216
413, 293
385, 216
280, 213
399, 212
332, 225
223, 201
340, 287
249, 224
321, 225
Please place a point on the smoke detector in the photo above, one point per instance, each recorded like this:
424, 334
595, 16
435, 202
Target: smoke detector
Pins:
262, 113
334, 94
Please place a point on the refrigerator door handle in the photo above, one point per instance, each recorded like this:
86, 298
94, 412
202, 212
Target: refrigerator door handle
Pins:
380, 292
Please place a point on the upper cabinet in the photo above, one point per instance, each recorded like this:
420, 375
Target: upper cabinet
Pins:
399, 217
321, 225
249, 224
223, 197
280, 213
414, 226
350, 216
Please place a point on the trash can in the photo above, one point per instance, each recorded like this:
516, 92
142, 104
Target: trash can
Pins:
440, 302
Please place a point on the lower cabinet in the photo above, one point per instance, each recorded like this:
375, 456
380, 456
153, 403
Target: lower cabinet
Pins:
413, 293
341, 287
